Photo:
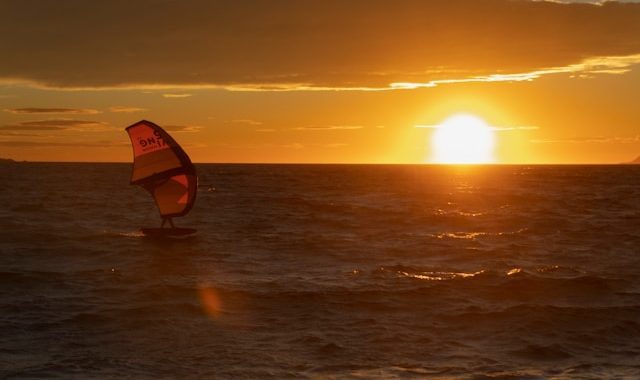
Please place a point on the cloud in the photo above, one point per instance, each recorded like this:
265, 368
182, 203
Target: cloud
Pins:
245, 121
176, 95
328, 127
183, 128
333, 145
597, 2
310, 45
591, 140
56, 125
33, 110
296, 146
494, 128
41, 144
586, 68
12, 133
22, 127
123, 109
517, 128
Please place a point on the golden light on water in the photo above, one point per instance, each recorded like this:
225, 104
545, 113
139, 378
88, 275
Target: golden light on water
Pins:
439, 276
463, 139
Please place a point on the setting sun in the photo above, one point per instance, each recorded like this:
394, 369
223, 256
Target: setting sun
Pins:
463, 139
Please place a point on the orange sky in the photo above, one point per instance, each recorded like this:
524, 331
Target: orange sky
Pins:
319, 81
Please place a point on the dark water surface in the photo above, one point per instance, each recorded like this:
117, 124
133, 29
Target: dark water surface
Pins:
323, 271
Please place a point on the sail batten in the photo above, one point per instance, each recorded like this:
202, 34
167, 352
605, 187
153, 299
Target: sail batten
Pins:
163, 168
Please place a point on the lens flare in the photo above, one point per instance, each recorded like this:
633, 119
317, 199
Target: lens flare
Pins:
211, 301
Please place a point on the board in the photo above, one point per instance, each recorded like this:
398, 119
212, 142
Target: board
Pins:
167, 232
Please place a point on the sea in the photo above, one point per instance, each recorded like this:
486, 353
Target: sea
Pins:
323, 272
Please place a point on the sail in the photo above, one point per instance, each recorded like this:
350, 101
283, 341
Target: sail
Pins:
163, 168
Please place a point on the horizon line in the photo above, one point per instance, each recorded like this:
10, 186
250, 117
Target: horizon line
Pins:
345, 163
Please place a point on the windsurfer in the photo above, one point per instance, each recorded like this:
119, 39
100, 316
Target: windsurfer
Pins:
165, 171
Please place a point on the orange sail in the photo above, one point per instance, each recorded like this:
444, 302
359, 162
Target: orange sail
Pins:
162, 167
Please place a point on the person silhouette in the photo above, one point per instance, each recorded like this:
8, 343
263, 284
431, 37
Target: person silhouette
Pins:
166, 219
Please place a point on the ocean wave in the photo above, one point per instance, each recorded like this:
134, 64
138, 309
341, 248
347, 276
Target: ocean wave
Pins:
320, 271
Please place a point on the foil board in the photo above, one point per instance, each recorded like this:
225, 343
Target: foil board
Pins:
160, 232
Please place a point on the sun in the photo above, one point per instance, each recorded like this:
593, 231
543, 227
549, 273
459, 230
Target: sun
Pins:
463, 139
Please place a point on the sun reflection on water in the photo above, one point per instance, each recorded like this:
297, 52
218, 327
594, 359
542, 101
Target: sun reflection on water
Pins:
438, 276
514, 271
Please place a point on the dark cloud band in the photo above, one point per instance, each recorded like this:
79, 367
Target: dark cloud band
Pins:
54, 125
328, 43
33, 110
